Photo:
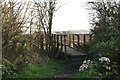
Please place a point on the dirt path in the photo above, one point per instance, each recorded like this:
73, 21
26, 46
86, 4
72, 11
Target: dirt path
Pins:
67, 73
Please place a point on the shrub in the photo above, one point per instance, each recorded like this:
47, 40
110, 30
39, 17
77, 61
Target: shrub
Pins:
106, 28
7, 68
100, 68
103, 68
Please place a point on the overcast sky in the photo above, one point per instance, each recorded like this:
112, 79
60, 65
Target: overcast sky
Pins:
71, 16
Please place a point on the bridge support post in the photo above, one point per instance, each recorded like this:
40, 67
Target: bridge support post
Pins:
65, 42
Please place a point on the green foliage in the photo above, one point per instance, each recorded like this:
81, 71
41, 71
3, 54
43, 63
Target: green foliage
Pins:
7, 68
42, 71
99, 70
107, 48
106, 28
103, 70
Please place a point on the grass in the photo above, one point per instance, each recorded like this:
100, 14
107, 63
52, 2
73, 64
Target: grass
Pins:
42, 71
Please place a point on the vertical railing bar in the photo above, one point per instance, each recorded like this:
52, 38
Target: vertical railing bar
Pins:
57, 41
41, 42
61, 43
73, 40
78, 39
65, 42
70, 40
84, 39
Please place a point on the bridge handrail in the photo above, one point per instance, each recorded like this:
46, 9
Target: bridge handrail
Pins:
58, 39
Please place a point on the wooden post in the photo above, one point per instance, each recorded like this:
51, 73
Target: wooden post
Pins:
61, 43
70, 40
53, 39
78, 39
73, 40
65, 42
84, 40
41, 43
57, 41
52, 43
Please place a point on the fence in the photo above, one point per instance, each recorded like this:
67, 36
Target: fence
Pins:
70, 40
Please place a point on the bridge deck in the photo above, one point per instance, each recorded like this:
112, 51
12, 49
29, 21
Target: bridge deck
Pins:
73, 52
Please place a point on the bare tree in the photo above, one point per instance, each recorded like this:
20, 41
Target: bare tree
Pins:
13, 20
45, 11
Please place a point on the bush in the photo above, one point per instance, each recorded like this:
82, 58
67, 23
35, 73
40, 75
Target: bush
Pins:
34, 57
106, 28
107, 48
7, 68
103, 69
